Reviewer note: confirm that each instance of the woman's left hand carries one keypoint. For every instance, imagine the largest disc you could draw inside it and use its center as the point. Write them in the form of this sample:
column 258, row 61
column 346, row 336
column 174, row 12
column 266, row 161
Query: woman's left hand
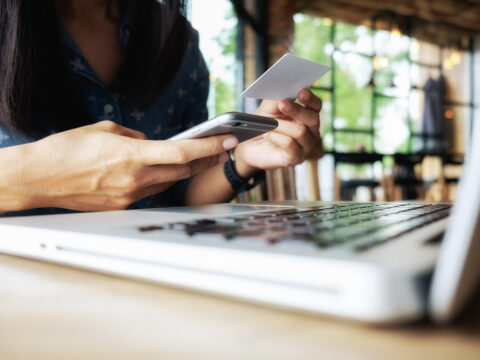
column 296, row 138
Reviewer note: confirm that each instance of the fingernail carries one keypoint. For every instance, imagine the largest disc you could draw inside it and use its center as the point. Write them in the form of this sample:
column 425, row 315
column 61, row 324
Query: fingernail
column 287, row 106
column 223, row 158
column 230, row 143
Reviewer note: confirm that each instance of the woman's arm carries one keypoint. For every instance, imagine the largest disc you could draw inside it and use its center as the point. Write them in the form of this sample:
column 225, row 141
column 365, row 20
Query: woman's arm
column 12, row 198
column 209, row 187
column 99, row 167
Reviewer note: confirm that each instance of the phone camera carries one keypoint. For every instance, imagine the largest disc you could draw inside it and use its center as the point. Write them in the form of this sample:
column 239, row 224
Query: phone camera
column 236, row 124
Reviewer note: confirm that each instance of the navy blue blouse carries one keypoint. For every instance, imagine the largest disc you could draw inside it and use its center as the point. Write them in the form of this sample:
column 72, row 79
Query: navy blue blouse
column 182, row 105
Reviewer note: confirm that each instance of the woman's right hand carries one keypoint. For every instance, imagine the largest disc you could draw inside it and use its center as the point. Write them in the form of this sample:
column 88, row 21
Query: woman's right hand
column 106, row 167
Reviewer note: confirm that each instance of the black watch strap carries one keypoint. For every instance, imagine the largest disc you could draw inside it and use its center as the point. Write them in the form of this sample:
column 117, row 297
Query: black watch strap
column 238, row 183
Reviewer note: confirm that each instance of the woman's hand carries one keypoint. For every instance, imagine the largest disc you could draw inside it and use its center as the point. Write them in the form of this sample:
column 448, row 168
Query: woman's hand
column 296, row 138
column 104, row 167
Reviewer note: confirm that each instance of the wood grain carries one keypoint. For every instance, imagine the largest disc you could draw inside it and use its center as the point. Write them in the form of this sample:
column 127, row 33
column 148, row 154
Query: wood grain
column 53, row 312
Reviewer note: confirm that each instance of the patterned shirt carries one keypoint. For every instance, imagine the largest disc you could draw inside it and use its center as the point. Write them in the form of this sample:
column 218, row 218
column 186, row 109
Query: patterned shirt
column 181, row 106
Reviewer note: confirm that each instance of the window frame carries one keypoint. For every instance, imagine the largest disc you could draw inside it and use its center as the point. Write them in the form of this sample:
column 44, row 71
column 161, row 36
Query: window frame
column 413, row 135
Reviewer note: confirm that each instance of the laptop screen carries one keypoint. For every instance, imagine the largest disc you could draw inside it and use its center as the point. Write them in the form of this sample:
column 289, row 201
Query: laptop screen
column 457, row 273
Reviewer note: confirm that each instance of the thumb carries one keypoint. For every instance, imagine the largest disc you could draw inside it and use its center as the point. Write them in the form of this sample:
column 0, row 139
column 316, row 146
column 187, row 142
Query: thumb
column 183, row 151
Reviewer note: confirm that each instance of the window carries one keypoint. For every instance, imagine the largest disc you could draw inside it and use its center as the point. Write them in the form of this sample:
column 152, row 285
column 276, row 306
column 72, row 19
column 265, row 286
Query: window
column 218, row 31
column 373, row 97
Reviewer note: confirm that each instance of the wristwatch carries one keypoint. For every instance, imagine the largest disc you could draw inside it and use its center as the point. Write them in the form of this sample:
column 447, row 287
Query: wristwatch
column 237, row 182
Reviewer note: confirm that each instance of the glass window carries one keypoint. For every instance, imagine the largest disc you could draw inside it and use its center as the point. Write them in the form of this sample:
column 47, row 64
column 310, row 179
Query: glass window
column 420, row 74
column 217, row 31
column 391, row 80
column 353, row 38
column 350, row 171
column 313, row 42
column 378, row 79
column 391, row 125
column 415, row 108
column 394, row 47
column 424, row 52
column 352, row 142
column 353, row 94
column 326, row 113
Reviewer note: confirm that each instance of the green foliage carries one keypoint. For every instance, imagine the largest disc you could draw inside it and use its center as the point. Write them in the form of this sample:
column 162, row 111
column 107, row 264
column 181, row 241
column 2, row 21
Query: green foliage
column 348, row 33
column 224, row 97
column 352, row 99
column 352, row 106
column 311, row 36
column 384, row 77
column 227, row 41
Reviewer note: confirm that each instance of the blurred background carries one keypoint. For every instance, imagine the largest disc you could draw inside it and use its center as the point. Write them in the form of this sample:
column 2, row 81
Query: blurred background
column 398, row 104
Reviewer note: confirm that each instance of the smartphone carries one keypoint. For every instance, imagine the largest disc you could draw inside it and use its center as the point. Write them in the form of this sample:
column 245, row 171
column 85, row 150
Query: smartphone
column 242, row 126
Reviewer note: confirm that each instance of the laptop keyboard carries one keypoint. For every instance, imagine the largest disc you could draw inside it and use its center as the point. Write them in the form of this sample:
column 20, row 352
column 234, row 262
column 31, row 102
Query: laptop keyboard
column 358, row 226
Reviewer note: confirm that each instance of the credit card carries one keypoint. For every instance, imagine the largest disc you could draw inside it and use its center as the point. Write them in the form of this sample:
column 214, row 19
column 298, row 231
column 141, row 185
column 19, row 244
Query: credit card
column 286, row 78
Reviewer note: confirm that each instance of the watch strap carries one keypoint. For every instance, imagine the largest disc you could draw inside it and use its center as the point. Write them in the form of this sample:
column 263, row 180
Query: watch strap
column 239, row 183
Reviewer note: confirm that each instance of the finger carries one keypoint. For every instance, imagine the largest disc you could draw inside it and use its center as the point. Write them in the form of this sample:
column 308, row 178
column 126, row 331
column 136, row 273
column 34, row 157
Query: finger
column 183, row 151
column 112, row 127
column 310, row 100
column 317, row 150
column 302, row 114
column 270, row 108
column 299, row 132
column 292, row 152
column 167, row 173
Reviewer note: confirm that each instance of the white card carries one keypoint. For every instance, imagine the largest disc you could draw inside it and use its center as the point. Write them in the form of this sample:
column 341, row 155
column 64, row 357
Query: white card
column 286, row 78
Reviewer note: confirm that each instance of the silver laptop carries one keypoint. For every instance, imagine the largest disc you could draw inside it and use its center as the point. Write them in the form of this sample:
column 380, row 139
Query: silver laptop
column 373, row 262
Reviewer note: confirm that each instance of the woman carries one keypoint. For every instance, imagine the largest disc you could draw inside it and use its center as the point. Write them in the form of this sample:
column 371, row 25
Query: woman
column 84, row 83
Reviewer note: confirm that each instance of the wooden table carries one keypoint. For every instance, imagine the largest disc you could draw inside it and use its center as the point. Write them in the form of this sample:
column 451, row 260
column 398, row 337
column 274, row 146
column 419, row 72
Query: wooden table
column 53, row 312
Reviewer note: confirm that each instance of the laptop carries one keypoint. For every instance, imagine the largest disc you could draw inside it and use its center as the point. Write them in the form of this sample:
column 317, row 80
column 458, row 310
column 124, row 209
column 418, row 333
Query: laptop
column 374, row 262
